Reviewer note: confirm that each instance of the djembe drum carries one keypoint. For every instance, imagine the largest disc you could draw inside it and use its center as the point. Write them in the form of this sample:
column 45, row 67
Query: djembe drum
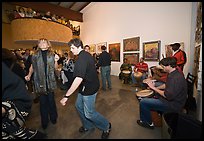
column 144, row 93
column 138, row 76
column 126, row 74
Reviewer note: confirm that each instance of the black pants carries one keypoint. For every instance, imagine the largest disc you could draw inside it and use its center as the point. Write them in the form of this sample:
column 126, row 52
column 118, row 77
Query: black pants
column 48, row 109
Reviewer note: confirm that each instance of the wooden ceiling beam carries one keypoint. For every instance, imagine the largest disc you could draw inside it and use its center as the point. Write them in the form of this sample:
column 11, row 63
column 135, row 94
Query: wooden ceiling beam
column 58, row 10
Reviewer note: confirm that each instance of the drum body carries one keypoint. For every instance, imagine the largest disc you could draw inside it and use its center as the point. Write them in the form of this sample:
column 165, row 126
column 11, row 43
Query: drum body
column 137, row 75
column 126, row 74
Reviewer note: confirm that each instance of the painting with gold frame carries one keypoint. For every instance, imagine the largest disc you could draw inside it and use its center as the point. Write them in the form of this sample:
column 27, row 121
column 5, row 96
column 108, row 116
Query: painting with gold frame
column 114, row 50
column 92, row 48
column 133, row 58
column 151, row 50
column 131, row 44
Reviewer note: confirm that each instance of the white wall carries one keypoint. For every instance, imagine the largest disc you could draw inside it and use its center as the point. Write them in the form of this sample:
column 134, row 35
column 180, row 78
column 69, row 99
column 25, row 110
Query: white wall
column 112, row 22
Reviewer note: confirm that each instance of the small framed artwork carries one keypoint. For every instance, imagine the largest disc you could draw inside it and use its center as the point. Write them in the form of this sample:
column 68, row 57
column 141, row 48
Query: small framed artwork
column 169, row 51
column 131, row 44
column 98, row 47
column 133, row 58
column 151, row 50
column 92, row 48
column 114, row 50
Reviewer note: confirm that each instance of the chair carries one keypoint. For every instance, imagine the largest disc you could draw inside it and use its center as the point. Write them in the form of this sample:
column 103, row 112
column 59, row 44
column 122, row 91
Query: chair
column 191, row 101
column 181, row 126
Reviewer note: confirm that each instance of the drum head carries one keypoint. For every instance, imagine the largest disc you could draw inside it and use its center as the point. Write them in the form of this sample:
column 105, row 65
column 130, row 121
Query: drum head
column 126, row 71
column 144, row 93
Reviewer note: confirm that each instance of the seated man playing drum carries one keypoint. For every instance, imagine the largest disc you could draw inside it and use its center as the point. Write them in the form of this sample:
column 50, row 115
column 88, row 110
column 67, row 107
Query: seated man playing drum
column 172, row 94
column 140, row 73
column 126, row 70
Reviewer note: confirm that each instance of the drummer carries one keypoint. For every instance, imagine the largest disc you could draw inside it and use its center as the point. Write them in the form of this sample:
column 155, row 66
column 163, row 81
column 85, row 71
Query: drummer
column 126, row 66
column 140, row 67
column 171, row 99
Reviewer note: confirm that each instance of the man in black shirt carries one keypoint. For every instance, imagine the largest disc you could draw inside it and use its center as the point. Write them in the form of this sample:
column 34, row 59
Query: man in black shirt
column 85, row 77
column 171, row 95
column 104, row 63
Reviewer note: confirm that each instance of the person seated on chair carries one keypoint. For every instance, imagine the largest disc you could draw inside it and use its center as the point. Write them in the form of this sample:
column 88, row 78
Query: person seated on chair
column 125, row 70
column 171, row 99
column 140, row 67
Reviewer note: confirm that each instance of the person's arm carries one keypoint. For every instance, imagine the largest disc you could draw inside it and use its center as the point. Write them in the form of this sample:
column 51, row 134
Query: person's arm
column 77, row 81
column 151, row 85
column 27, row 77
column 3, row 111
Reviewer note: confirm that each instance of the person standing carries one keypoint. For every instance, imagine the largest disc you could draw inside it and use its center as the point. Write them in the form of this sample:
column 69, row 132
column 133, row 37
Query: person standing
column 104, row 62
column 171, row 96
column 85, row 77
column 43, row 68
column 179, row 55
column 87, row 48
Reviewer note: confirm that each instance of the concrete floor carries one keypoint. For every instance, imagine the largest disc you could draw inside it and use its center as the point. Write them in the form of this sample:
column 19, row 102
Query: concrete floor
column 118, row 105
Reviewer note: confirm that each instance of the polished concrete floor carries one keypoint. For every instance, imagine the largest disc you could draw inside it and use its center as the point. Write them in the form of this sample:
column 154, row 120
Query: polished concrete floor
column 118, row 105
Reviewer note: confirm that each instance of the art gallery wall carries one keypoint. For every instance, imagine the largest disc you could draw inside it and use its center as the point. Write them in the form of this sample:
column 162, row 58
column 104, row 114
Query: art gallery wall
column 112, row 22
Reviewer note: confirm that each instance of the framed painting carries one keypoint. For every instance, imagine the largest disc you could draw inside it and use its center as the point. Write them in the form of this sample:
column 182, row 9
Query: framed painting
column 151, row 50
column 92, row 48
column 114, row 50
column 98, row 47
column 169, row 51
column 133, row 58
column 131, row 44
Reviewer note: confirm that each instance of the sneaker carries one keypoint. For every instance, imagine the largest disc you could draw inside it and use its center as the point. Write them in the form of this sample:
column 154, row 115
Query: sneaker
column 83, row 130
column 105, row 134
column 145, row 124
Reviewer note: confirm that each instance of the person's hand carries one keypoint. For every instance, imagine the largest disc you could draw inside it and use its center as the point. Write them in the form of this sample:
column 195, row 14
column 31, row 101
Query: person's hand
column 150, row 83
column 27, row 78
column 63, row 101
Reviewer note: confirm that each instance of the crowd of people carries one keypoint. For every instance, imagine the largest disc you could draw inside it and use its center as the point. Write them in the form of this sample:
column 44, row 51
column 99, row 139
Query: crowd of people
column 22, row 12
column 78, row 70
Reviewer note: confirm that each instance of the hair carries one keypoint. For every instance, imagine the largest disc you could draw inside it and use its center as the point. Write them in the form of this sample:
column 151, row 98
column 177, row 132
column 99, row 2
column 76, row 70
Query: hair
column 175, row 46
column 168, row 61
column 8, row 55
column 103, row 47
column 76, row 42
column 86, row 46
column 49, row 45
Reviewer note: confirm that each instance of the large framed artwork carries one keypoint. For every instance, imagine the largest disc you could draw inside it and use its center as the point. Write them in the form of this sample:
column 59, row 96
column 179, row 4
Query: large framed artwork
column 98, row 47
column 151, row 50
column 133, row 58
column 131, row 44
column 169, row 51
column 114, row 50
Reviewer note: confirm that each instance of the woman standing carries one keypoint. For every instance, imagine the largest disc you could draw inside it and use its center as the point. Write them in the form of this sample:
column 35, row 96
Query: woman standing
column 43, row 65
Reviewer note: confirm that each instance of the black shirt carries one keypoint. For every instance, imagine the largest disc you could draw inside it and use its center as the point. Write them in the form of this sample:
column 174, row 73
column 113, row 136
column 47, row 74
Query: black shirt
column 104, row 59
column 85, row 69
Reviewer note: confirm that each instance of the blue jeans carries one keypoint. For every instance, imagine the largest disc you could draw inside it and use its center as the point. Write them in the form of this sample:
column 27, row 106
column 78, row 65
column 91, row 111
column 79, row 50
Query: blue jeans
column 48, row 109
column 105, row 76
column 85, row 106
column 148, row 104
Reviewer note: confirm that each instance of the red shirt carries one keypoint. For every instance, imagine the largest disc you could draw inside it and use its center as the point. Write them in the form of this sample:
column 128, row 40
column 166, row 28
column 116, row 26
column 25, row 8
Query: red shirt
column 180, row 59
column 142, row 67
